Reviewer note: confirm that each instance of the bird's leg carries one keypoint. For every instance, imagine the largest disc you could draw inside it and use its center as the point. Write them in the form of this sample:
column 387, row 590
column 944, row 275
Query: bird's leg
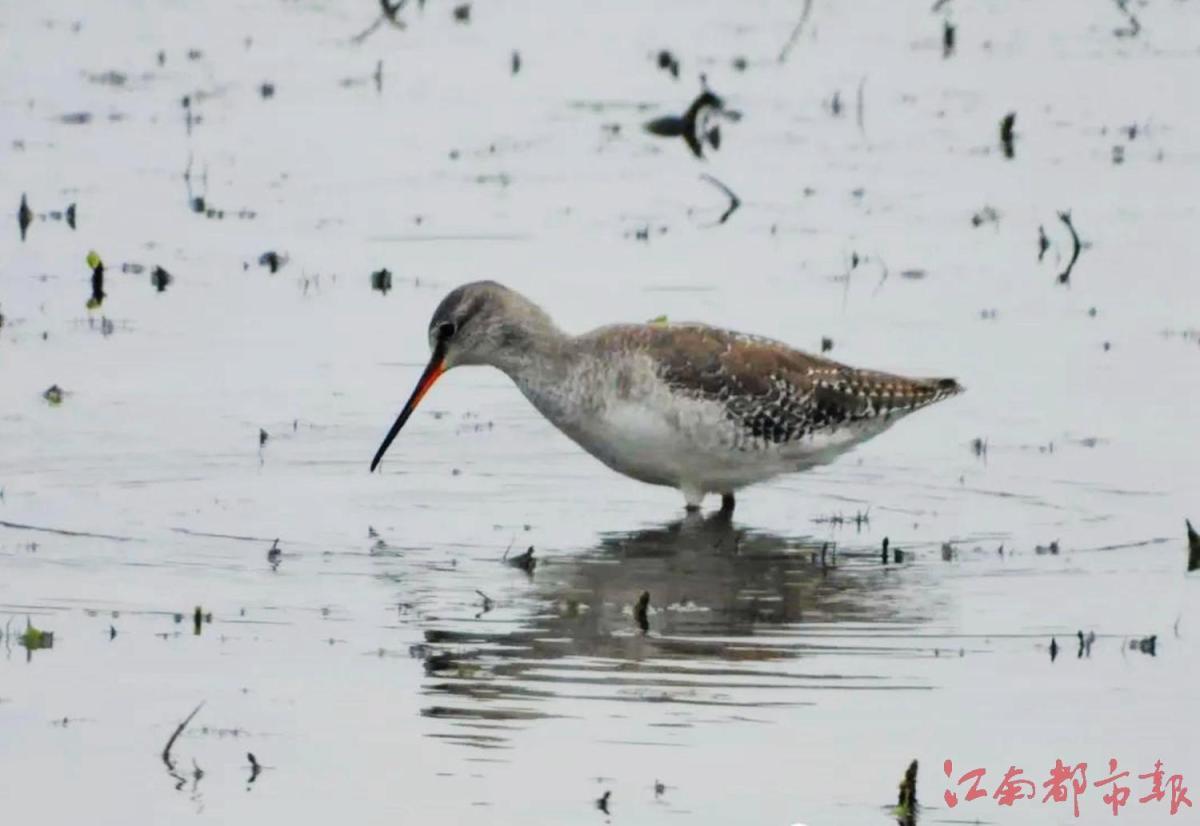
column 727, row 503
column 693, row 497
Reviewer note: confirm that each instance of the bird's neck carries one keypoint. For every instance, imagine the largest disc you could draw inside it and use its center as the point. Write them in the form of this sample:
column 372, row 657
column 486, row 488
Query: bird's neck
column 541, row 360
column 532, row 347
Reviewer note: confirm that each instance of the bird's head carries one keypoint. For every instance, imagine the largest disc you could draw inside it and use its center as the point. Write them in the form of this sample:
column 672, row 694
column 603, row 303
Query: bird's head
column 478, row 323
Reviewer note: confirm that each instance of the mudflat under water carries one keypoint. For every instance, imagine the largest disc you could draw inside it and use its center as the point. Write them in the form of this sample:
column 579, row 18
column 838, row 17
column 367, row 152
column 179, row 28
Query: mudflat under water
column 388, row 664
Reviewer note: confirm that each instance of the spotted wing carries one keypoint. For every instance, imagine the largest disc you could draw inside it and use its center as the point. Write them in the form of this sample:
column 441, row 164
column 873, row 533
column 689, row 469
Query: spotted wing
column 777, row 394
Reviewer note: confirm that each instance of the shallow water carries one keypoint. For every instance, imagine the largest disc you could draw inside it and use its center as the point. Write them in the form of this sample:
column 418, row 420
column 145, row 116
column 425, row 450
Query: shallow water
column 364, row 672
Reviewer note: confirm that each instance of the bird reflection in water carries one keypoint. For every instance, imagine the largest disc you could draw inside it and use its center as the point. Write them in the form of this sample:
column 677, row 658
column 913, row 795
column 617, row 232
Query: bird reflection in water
column 736, row 617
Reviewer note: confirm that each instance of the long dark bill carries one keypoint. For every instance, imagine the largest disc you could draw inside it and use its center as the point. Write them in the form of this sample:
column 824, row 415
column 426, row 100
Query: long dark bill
column 436, row 367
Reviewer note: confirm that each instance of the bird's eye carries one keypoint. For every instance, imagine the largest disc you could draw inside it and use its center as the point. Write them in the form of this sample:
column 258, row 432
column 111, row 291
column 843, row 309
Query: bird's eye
column 446, row 330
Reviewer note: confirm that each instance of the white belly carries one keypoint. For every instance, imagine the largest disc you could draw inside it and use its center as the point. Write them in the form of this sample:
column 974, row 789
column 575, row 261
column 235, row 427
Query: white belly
column 662, row 438
column 693, row 447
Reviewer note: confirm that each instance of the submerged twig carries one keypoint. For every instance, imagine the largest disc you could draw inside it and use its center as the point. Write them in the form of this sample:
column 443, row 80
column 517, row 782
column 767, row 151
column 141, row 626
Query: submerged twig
column 166, row 754
column 1134, row 25
column 1076, row 248
column 734, row 201
column 64, row 532
column 487, row 603
column 791, row 41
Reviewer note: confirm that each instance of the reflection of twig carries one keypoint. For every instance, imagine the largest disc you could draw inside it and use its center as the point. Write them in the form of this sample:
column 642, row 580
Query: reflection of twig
column 734, row 201
column 858, row 105
column 883, row 276
column 639, row 612
column 791, row 41
column 1065, row 217
column 166, row 754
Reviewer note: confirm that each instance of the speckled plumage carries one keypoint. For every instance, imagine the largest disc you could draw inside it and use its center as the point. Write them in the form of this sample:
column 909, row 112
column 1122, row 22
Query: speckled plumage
column 690, row 406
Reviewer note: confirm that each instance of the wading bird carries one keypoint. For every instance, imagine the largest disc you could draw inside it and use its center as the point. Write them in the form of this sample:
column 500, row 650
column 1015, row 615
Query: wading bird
column 687, row 406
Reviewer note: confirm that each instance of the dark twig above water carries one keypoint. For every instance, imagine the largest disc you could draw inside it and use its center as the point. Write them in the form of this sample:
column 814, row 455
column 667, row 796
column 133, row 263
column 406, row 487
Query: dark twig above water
column 388, row 14
column 93, row 261
column 272, row 261
column 734, row 201
column 166, row 753
column 160, row 278
column 640, row 610
column 906, row 803
column 1146, row 645
column 1193, row 547
column 524, row 561
column 668, row 63
column 24, row 216
column 381, row 280
column 698, row 125
column 1076, row 247
column 795, row 35
column 1006, row 134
